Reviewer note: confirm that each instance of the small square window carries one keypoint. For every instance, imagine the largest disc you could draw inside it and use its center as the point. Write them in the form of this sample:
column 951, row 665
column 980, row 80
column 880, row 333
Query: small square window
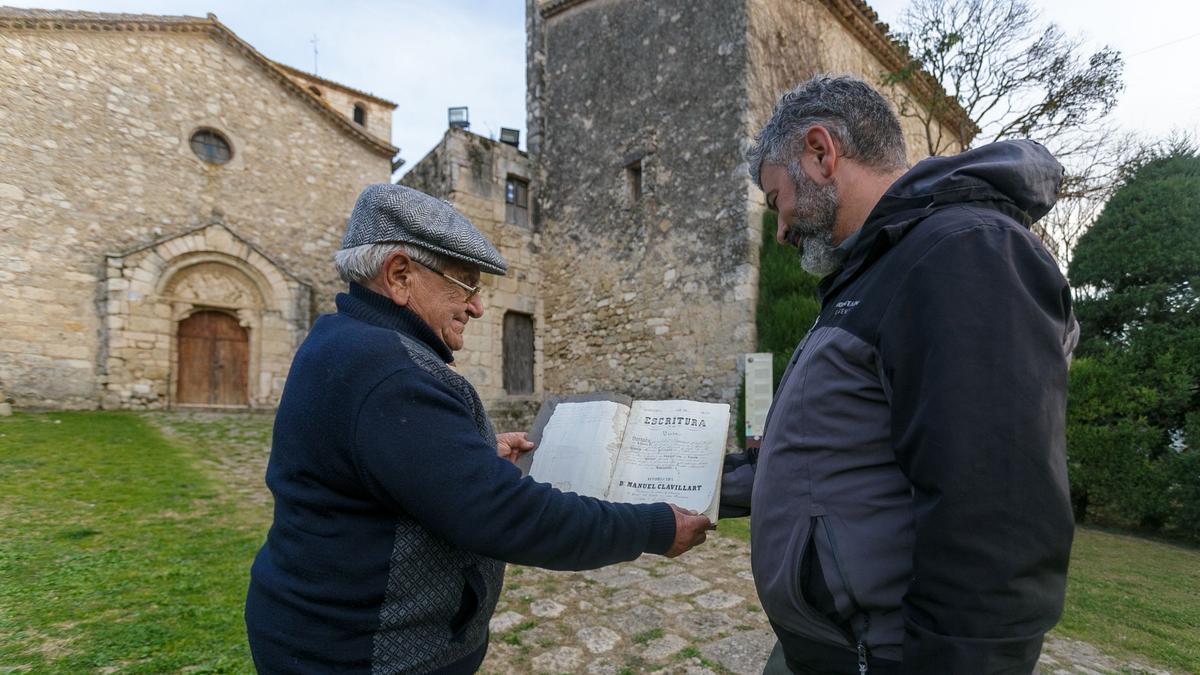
column 516, row 201
column 516, row 191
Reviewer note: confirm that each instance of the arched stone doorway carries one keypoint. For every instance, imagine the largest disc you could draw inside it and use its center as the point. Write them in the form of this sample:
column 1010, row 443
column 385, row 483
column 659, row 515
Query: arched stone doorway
column 214, row 360
column 236, row 303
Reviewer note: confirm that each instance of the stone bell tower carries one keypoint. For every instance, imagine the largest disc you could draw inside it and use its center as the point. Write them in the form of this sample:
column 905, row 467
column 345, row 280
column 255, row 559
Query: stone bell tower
column 639, row 116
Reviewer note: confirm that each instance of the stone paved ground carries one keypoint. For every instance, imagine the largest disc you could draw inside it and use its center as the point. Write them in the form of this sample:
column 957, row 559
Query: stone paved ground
column 694, row 614
column 697, row 614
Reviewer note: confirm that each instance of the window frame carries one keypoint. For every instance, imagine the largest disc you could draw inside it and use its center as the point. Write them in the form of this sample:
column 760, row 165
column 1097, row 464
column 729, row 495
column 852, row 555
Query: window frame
column 205, row 156
column 516, row 200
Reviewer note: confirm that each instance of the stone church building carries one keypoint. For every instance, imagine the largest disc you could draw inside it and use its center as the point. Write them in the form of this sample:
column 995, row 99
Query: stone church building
column 171, row 200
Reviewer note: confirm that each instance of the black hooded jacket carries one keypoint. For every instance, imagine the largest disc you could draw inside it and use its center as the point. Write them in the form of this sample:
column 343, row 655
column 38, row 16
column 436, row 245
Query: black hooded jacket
column 910, row 500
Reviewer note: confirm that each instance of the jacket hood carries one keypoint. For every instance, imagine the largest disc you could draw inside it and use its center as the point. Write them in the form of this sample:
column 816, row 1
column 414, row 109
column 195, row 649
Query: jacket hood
column 1016, row 175
column 1020, row 179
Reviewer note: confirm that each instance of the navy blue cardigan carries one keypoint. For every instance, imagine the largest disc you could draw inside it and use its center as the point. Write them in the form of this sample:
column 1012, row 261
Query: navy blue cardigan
column 363, row 437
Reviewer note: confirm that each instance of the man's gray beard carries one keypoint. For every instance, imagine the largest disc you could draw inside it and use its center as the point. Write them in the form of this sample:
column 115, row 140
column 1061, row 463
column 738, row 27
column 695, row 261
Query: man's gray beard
column 811, row 230
column 819, row 256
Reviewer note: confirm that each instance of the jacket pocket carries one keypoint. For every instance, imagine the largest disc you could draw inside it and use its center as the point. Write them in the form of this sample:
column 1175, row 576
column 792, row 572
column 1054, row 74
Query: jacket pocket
column 473, row 593
column 825, row 586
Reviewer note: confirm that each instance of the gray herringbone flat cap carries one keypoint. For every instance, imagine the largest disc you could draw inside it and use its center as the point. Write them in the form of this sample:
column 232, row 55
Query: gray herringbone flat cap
column 395, row 213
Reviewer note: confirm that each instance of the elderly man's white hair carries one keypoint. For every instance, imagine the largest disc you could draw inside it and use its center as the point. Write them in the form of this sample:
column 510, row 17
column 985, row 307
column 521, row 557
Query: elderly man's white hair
column 361, row 264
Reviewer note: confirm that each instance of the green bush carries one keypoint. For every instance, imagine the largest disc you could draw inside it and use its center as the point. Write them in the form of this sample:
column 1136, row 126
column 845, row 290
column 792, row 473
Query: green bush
column 1133, row 437
column 787, row 298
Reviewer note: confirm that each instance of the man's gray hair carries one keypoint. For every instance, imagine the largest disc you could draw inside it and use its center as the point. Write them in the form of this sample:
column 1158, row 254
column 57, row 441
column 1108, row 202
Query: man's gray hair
column 361, row 264
column 861, row 122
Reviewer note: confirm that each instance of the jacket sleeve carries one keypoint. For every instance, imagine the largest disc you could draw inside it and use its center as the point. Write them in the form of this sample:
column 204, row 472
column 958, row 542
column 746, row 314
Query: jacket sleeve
column 737, row 483
column 972, row 348
column 418, row 450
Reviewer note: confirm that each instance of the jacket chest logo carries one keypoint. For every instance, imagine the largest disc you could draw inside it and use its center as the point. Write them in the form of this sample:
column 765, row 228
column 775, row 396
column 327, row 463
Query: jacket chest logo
column 844, row 307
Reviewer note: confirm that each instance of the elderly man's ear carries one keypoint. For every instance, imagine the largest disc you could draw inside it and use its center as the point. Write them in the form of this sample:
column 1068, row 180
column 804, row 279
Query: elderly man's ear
column 395, row 280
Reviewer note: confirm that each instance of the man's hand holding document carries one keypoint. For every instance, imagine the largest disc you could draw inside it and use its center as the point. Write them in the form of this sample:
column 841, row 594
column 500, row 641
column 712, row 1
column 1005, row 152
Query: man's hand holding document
column 614, row 448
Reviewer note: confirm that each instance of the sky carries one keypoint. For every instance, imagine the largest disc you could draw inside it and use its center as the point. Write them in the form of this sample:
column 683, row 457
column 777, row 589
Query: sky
column 427, row 56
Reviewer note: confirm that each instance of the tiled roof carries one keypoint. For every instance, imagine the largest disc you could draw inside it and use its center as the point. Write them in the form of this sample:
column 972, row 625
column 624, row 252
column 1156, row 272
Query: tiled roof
column 42, row 19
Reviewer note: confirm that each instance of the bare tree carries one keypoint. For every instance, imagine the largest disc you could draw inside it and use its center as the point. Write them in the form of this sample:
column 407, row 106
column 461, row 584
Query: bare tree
column 1094, row 170
column 1016, row 77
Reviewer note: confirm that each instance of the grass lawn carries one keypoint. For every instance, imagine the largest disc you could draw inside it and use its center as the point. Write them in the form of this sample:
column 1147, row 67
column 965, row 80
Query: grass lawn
column 1126, row 595
column 122, row 549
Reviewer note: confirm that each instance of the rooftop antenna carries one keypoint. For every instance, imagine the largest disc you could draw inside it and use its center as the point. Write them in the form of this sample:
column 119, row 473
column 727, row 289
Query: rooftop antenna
column 314, row 44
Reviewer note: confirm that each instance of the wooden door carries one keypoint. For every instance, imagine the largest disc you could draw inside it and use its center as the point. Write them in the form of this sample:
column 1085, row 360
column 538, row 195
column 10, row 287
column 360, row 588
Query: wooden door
column 214, row 356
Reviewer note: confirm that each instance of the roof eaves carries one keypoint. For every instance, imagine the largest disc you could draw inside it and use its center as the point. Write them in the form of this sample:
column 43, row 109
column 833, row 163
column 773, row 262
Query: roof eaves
column 337, row 85
column 553, row 7
column 863, row 22
column 377, row 144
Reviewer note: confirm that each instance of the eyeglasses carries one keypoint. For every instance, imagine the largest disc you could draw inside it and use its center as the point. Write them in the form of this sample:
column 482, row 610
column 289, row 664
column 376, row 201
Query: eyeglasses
column 472, row 291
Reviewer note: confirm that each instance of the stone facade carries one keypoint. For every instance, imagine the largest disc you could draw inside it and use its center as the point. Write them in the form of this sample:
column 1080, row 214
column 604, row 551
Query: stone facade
column 150, row 290
column 649, row 295
column 639, row 118
column 471, row 172
column 376, row 111
column 635, row 261
column 788, row 42
column 112, row 230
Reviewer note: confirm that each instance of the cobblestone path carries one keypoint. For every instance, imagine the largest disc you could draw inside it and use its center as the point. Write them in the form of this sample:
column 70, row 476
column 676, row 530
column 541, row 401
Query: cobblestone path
column 696, row 614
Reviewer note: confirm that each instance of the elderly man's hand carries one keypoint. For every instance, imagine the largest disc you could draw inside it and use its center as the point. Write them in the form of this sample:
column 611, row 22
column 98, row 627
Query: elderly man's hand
column 691, row 529
column 511, row 445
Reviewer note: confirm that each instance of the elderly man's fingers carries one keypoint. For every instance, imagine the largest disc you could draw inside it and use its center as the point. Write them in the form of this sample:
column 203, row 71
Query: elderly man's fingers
column 690, row 530
column 517, row 440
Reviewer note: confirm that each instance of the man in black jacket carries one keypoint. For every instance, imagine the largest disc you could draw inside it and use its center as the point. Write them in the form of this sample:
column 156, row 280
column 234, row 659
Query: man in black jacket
column 396, row 505
column 909, row 502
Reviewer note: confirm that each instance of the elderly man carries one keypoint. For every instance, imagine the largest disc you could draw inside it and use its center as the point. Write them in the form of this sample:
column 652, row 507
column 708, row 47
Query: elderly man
column 909, row 500
column 396, row 505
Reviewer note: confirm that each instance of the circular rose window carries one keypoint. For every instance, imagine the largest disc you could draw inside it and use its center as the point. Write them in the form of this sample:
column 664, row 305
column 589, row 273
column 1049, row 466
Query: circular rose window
column 211, row 146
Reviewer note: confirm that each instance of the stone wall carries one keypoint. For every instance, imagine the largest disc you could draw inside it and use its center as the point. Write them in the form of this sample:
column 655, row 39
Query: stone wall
column 343, row 99
column 655, row 297
column 789, row 42
column 151, row 289
column 94, row 130
column 470, row 172
column 651, row 297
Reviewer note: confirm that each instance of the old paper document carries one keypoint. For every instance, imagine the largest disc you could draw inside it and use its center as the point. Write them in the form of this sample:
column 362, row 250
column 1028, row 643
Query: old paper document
column 673, row 451
column 579, row 447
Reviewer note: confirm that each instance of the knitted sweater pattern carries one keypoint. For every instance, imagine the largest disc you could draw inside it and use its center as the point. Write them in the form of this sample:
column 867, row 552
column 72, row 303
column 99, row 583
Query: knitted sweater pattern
column 430, row 583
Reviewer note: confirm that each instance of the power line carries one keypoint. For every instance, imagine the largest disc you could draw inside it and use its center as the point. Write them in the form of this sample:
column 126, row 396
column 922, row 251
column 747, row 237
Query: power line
column 1165, row 44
